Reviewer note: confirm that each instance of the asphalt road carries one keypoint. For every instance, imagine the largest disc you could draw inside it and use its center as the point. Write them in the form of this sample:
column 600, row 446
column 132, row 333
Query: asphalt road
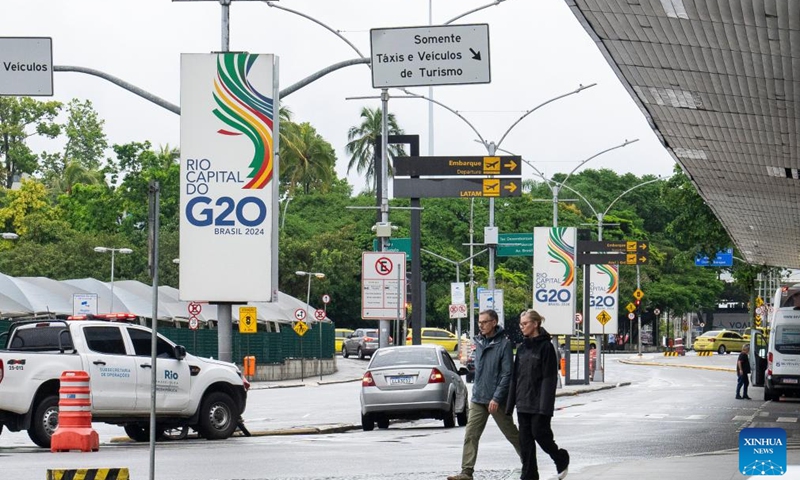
column 666, row 411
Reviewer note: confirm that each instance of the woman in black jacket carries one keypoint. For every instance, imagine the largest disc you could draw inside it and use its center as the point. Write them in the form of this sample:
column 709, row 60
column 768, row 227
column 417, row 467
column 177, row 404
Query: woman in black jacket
column 533, row 393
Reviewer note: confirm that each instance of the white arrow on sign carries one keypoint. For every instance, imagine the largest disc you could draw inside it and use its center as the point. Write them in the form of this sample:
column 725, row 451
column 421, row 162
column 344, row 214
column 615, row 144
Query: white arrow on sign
column 300, row 314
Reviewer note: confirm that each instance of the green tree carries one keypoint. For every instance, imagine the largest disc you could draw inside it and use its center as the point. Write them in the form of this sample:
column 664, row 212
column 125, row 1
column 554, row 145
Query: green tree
column 307, row 160
column 361, row 143
column 20, row 119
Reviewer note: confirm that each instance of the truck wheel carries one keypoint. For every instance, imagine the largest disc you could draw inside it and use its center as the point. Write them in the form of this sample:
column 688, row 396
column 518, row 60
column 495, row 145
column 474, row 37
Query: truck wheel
column 173, row 433
column 218, row 417
column 137, row 433
column 44, row 421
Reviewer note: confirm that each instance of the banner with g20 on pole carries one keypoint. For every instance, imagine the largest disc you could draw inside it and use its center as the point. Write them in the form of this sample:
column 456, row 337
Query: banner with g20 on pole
column 229, row 177
column 555, row 277
column 604, row 288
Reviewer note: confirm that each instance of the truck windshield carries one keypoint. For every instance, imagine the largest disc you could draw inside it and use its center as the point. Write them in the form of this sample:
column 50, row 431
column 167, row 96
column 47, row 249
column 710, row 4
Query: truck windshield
column 787, row 339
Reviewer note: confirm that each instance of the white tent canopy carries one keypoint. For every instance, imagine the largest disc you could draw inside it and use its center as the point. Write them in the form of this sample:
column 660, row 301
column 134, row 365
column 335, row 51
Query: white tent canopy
column 34, row 296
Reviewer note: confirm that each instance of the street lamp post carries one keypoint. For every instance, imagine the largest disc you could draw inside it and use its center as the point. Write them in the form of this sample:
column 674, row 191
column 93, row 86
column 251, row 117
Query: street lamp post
column 113, row 253
column 319, row 275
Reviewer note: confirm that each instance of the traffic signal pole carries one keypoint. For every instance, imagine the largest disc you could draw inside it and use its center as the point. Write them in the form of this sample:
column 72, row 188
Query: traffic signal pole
column 639, row 310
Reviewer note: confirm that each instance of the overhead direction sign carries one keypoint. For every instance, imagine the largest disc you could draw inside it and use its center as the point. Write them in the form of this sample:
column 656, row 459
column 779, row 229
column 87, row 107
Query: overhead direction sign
column 457, row 166
column 612, row 259
column 26, row 66
column 515, row 245
column 609, row 246
column 457, row 187
column 431, row 55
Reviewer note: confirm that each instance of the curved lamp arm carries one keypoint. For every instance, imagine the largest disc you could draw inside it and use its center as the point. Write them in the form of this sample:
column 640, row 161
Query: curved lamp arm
column 582, row 197
column 621, row 145
column 496, row 2
column 577, row 90
column 273, row 5
column 416, row 95
column 629, row 190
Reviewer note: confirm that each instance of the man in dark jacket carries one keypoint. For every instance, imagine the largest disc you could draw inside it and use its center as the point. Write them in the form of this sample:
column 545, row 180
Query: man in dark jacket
column 493, row 362
column 533, row 393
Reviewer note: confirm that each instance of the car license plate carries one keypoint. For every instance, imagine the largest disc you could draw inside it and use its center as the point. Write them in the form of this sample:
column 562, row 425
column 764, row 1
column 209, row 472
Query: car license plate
column 401, row 380
column 789, row 380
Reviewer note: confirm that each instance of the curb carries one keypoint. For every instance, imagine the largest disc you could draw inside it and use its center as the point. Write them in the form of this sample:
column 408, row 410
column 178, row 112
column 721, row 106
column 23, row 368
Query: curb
column 661, row 364
column 579, row 391
column 267, row 386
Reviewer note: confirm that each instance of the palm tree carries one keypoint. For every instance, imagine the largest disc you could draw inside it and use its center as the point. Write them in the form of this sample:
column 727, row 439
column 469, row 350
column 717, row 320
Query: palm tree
column 307, row 159
column 361, row 142
column 75, row 172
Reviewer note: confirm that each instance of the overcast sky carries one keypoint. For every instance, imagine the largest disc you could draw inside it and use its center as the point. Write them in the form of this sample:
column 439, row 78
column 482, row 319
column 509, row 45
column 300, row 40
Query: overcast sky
column 538, row 51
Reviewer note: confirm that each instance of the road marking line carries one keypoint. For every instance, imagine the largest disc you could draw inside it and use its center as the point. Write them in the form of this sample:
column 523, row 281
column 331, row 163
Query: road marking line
column 787, row 419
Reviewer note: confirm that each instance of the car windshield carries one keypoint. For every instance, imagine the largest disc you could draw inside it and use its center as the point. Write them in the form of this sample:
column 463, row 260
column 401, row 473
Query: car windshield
column 404, row 356
column 787, row 339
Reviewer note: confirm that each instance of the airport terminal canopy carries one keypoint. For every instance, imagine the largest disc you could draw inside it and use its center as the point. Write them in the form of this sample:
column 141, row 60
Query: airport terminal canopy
column 40, row 296
column 716, row 80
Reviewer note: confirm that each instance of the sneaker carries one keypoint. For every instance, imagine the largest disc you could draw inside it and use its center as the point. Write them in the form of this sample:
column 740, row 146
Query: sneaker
column 460, row 476
column 738, row 397
column 563, row 465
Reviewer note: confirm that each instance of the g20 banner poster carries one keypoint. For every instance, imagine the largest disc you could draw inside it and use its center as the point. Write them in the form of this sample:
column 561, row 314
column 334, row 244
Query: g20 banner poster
column 555, row 277
column 604, row 288
column 228, row 198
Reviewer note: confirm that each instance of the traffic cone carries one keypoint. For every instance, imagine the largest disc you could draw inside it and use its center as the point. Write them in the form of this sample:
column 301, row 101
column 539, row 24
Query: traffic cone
column 74, row 431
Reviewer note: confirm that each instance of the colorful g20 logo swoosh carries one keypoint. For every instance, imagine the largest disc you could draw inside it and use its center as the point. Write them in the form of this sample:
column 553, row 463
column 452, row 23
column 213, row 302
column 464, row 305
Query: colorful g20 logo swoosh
column 246, row 111
column 561, row 252
column 613, row 276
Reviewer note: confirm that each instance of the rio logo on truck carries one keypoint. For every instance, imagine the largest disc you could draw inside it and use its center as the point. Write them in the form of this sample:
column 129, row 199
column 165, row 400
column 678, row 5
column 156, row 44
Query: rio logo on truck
column 244, row 111
column 551, row 289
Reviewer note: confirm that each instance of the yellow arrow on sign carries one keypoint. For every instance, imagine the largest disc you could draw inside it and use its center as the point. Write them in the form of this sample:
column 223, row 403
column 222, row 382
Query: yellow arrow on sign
column 511, row 165
column 643, row 259
column 511, row 187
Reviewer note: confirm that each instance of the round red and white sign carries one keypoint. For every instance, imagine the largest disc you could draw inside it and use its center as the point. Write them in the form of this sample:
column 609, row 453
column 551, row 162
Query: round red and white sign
column 300, row 314
column 384, row 266
column 193, row 323
column 194, row 308
column 631, row 316
column 326, row 299
column 657, row 312
column 319, row 314
column 578, row 317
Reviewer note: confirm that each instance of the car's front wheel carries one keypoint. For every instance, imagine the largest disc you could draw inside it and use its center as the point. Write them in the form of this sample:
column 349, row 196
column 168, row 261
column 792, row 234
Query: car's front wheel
column 218, row 416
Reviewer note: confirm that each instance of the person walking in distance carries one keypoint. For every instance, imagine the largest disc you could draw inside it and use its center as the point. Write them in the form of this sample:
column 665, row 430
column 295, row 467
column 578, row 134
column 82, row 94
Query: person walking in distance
column 493, row 363
column 742, row 372
column 533, row 393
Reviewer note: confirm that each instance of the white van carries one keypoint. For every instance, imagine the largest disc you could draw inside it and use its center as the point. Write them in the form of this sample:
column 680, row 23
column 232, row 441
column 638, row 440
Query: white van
column 783, row 351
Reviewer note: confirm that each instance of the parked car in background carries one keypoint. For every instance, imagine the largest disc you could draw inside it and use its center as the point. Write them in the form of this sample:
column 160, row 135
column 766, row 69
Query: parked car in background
column 413, row 382
column 362, row 342
column 437, row 336
column 721, row 341
column 339, row 336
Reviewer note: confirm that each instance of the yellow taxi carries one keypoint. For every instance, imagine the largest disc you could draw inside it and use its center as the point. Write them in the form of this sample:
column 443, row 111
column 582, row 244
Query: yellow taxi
column 720, row 341
column 339, row 335
column 439, row 336
column 577, row 343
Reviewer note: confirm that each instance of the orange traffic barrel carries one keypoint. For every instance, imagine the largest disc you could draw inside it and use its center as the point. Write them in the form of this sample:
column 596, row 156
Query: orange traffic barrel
column 74, row 430
column 249, row 366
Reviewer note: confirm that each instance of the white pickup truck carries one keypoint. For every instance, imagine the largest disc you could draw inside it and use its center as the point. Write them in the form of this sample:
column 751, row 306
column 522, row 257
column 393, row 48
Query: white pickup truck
column 206, row 395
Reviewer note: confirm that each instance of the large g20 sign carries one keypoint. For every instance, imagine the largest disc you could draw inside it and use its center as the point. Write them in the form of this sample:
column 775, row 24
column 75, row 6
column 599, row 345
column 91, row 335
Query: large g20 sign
column 553, row 295
column 602, row 301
